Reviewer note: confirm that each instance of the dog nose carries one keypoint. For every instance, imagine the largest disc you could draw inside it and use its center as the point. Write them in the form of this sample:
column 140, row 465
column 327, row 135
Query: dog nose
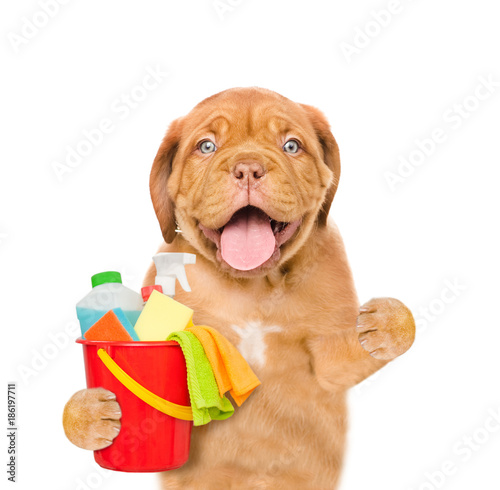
column 250, row 171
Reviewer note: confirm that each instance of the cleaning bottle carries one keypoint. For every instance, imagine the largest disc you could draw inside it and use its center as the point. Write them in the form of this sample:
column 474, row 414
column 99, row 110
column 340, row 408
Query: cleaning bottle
column 107, row 293
column 170, row 266
column 162, row 315
column 147, row 290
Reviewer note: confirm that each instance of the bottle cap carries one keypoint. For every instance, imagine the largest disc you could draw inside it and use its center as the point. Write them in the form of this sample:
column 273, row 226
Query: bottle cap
column 147, row 290
column 105, row 277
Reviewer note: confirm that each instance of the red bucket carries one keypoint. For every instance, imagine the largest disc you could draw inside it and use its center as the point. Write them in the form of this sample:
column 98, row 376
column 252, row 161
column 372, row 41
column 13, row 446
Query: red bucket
column 149, row 438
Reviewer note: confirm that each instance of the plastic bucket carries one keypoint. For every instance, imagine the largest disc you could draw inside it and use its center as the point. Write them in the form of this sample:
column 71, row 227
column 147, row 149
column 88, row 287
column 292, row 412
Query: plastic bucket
column 149, row 380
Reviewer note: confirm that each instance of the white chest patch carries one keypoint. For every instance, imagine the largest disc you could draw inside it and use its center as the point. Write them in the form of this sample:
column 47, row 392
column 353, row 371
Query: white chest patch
column 252, row 345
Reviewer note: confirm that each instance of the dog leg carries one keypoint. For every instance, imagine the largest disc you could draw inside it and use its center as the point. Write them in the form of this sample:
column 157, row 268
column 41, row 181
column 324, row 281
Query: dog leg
column 384, row 330
column 91, row 418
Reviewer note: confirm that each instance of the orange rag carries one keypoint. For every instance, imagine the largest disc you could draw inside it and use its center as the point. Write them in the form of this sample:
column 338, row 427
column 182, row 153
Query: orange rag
column 231, row 371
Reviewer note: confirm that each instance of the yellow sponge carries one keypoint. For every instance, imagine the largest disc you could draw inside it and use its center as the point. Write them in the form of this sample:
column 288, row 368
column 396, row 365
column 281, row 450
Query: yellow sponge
column 161, row 316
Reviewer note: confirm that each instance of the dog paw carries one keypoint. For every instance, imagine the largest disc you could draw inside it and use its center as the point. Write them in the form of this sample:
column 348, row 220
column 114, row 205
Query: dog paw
column 386, row 328
column 91, row 418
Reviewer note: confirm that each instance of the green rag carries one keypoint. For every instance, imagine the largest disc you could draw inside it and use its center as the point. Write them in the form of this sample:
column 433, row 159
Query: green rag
column 206, row 402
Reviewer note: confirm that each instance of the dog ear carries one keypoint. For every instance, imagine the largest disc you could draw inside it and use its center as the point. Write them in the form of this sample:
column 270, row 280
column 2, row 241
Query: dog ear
column 330, row 156
column 160, row 172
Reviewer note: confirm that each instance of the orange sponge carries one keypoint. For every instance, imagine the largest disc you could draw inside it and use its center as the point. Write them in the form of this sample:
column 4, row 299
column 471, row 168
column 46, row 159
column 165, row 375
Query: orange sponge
column 108, row 327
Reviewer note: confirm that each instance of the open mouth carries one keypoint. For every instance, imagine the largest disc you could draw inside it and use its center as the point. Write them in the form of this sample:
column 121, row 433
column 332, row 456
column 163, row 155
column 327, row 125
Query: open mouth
column 251, row 238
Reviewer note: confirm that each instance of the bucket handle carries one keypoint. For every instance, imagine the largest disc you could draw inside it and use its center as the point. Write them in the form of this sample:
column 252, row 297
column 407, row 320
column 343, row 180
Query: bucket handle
column 178, row 411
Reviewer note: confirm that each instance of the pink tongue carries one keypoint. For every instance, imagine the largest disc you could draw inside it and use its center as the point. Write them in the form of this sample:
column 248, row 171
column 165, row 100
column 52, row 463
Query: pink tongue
column 247, row 241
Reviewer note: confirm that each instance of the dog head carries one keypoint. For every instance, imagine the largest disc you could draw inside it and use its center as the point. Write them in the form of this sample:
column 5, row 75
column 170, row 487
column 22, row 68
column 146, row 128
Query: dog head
column 247, row 175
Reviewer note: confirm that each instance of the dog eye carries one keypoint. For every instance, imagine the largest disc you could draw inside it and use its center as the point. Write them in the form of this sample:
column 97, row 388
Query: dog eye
column 207, row 146
column 291, row 146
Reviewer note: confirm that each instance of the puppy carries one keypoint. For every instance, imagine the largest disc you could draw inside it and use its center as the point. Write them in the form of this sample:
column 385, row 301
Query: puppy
column 245, row 181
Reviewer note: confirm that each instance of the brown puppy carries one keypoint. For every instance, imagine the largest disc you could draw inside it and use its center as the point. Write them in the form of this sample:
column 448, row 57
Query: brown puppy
column 249, row 176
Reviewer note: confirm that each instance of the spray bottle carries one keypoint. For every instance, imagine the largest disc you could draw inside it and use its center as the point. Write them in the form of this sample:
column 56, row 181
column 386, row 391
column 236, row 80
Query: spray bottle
column 163, row 315
column 170, row 266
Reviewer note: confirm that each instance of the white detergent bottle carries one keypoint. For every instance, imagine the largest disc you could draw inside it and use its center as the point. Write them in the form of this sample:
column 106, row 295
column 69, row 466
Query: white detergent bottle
column 107, row 293
column 170, row 266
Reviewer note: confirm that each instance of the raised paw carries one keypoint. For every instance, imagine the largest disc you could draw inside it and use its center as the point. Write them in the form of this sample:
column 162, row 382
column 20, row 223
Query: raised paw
column 91, row 418
column 386, row 328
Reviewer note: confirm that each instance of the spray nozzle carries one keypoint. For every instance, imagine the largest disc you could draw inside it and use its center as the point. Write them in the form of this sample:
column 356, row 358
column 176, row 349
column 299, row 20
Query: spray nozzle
column 170, row 266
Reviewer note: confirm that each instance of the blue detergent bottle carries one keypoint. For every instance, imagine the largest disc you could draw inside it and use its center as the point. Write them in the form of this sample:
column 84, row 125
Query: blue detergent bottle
column 107, row 293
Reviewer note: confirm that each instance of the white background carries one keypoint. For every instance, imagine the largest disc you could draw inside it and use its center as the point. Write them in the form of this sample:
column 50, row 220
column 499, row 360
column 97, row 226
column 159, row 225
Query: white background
column 439, row 226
